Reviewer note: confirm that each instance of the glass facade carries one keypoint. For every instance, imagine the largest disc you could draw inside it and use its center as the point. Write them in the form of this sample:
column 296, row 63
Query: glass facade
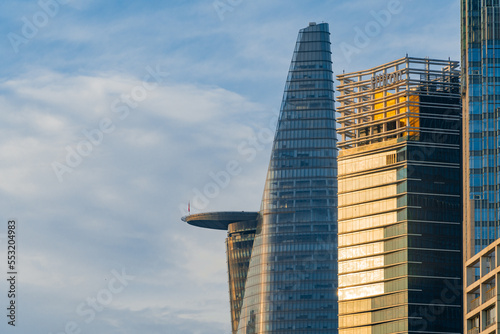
column 292, row 278
column 241, row 227
column 399, row 212
column 239, row 245
column 481, row 126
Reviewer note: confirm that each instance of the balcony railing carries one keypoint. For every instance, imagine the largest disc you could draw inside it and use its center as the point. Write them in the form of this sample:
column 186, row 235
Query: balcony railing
column 490, row 293
column 490, row 322
column 474, row 303
column 474, row 330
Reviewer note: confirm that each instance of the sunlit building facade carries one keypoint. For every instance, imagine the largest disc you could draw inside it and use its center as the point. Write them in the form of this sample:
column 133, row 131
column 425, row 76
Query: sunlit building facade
column 482, row 275
column 283, row 260
column 481, row 123
column 399, row 212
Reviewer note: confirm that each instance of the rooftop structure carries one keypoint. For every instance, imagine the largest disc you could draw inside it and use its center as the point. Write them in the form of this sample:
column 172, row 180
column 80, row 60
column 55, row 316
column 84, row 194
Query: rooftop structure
column 399, row 217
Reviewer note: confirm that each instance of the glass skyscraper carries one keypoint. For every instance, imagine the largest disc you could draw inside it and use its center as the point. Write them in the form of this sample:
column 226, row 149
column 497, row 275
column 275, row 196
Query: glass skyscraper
column 481, row 122
column 293, row 269
column 241, row 227
column 290, row 285
column 400, row 260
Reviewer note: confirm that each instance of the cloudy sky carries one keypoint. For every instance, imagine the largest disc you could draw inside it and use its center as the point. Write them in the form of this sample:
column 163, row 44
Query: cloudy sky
column 114, row 114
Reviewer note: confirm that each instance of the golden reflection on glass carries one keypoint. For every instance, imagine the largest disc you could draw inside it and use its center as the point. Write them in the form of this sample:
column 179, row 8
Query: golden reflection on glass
column 367, row 195
column 364, row 223
column 361, row 237
column 361, row 264
column 396, row 105
column 359, row 330
column 367, row 181
column 369, row 304
column 364, row 163
column 361, row 319
column 361, row 278
column 359, row 251
column 361, row 291
column 368, row 208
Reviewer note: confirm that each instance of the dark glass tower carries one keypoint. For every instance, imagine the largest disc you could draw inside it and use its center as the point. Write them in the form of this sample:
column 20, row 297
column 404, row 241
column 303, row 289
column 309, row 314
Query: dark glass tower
column 292, row 279
column 481, row 122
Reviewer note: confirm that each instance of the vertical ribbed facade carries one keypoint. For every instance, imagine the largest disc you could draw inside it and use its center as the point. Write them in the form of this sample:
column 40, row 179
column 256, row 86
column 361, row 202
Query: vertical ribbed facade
column 481, row 126
column 239, row 244
column 292, row 278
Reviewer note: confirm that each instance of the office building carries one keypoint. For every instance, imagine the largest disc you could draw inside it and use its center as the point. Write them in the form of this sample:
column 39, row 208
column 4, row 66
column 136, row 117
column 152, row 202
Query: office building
column 481, row 147
column 482, row 273
column 481, row 123
column 399, row 240
column 241, row 227
column 290, row 285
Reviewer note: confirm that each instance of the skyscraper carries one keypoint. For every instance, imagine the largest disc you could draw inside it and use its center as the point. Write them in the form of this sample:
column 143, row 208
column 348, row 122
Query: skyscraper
column 293, row 269
column 241, row 227
column 481, row 127
column 290, row 285
column 400, row 264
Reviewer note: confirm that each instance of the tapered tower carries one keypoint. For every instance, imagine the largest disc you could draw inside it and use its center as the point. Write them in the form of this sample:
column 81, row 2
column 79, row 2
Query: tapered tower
column 292, row 278
column 283, row 260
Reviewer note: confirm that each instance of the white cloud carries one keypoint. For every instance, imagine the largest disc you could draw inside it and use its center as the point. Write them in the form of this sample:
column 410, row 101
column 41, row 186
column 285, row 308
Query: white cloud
column 115, row 196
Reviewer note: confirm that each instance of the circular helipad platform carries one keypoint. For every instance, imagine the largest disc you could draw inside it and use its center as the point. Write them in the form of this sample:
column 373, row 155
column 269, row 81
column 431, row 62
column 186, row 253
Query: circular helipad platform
column 219, row 220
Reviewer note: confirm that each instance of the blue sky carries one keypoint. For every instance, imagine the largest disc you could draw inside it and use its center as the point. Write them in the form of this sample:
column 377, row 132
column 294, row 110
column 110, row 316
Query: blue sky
column 116, row 114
